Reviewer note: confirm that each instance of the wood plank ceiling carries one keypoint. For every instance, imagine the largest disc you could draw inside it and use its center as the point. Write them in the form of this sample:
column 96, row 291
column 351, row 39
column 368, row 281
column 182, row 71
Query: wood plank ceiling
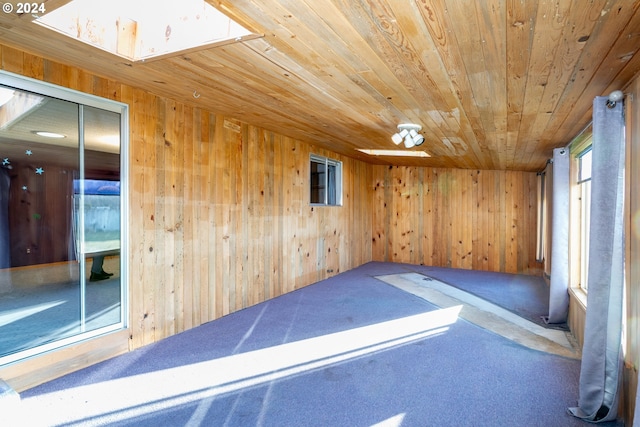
column 495, row 84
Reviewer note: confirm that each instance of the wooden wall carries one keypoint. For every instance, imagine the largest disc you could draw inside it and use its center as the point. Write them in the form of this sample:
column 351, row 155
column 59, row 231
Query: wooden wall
column 219, row 209
column 470, row 219
column 220, row 216
column 41, row 213
column 632, row 246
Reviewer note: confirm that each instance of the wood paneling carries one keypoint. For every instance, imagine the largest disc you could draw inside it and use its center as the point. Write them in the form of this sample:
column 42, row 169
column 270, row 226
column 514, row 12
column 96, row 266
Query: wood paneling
column 459, row 218
column 38, row 211
column 220, row 217
column 222, row 220
column 37, row 370
column 632, row 246
column 219, row 209
column 495, row 84
column 577, row 315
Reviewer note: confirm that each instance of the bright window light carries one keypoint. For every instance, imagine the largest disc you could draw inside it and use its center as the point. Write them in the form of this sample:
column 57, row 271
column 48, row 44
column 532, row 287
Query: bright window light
column 144, row 29
column 395, row 153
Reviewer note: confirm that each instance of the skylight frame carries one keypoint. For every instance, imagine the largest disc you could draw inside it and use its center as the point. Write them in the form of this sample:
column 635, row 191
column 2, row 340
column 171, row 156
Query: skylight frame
column 145, row 30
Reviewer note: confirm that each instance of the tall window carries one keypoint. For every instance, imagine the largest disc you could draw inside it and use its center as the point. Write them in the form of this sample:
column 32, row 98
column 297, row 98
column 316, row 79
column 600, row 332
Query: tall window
column 325, row 181
column 62, row 204
column 584, row 183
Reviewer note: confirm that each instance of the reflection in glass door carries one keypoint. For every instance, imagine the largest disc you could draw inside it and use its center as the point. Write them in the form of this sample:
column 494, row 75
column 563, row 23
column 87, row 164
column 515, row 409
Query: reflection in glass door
column 60, row 218
column 97, row 218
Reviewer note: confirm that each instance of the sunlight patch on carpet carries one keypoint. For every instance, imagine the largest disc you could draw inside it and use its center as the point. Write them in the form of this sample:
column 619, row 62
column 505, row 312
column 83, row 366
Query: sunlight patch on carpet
column 486, row 314
column 125, row 398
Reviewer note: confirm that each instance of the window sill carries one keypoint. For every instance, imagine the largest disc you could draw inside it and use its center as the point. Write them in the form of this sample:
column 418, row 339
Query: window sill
column 580, row 295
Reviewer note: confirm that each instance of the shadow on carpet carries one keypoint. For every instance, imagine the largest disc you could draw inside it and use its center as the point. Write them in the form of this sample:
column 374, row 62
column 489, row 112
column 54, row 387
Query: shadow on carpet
column 346, row 351
column 526, row 296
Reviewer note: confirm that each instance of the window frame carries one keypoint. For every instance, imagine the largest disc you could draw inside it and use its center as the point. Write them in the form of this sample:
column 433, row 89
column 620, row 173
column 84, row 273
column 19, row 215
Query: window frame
column 28, row 84
column 327, row 184
column 584, row 184
column 579, row 216
column 580, row 156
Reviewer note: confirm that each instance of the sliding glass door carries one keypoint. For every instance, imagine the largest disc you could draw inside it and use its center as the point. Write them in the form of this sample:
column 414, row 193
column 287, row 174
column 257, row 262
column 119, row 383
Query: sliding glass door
column 61, row 217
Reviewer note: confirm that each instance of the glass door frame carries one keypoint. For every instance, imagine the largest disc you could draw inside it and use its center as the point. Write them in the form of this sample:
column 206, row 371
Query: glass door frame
column 83, row 99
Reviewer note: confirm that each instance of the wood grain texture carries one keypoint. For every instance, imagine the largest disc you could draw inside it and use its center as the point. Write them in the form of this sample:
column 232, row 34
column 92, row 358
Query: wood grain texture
column 481, row 220
column 632, row 286
column 37, row 370
column 496, row 84
column 220, row 216
column 45, row 220
column 577, row 317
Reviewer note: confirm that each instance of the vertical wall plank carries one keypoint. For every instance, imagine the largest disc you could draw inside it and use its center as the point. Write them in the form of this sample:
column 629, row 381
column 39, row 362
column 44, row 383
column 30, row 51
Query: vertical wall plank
column 183, row 308
column 151, row 121
column 439, row 245
column 136, row 205
column 379, row 241
column 33, row 67
column 511, row 248
column 13, row 60
column 203, row 226
column 218, row 221
column 250, row 253
column 168, row 151
column 238, row 157
column 427, row 217
column 632, row 212
column 188, row 187
column 468, row 217
column 288, row 206
column 473, row 219
column 159, row 171
column 269, row 226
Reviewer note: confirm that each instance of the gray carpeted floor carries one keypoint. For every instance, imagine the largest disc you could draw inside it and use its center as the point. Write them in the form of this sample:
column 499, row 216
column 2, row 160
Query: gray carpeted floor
column 351, row 350
column 487, row 314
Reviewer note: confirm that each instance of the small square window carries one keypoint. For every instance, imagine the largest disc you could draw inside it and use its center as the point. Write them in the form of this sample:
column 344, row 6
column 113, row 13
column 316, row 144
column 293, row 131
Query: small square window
column 325, row 181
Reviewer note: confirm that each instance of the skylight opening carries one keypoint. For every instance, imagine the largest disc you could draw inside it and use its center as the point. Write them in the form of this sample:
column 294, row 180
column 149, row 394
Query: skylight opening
column 395, row 153
column 144, row 29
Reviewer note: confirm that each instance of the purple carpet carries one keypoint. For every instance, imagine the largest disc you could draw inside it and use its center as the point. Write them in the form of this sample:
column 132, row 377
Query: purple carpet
column 347, row 351
column 527, row 296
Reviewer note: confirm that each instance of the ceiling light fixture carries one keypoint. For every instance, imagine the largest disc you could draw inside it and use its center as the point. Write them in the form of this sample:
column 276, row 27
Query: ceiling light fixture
column 408, row 132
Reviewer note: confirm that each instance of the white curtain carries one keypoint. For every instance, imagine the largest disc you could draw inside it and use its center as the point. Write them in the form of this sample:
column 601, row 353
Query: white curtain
column 559, row 281
column 602, row 352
